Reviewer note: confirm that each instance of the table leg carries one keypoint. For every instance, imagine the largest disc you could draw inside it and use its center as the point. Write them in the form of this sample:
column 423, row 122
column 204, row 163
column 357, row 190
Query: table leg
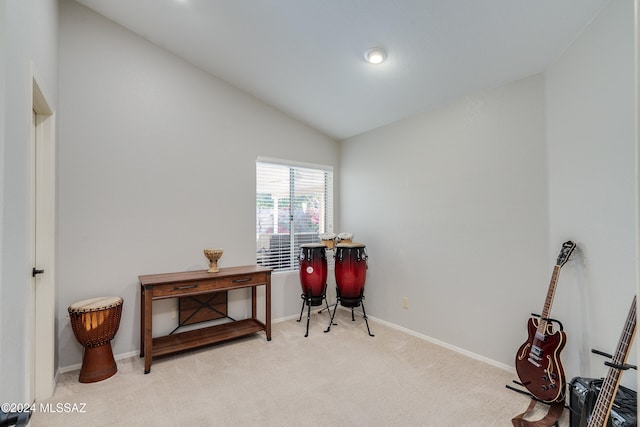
column 148, row 341
column 268, row 307
column 142, row 321
column 254, row 299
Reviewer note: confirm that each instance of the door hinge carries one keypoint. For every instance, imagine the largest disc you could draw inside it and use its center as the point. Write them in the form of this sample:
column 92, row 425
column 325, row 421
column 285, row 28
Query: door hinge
column 35, row 272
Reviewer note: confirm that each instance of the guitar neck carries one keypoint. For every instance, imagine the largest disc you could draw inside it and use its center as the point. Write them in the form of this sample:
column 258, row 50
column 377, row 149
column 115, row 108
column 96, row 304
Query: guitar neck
column 542, row 325
column 611, row 383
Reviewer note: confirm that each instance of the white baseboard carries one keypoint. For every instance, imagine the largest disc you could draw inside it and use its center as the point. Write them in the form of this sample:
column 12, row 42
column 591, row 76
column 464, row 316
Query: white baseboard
column 77, row 366
column 423, row 337
column 284, row 319
column 445, row 345
column 448, row 346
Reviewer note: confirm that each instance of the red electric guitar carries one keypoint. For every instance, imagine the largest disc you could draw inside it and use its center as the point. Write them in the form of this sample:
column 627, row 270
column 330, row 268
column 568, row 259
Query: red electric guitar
column 538, row 360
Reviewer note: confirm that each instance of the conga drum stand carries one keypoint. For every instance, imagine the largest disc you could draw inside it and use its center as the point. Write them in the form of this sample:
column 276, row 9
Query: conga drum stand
column 312, row 301
column 351, row 303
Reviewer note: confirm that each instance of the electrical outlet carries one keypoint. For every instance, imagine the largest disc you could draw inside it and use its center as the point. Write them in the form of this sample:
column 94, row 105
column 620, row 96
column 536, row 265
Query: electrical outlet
column 405, row 303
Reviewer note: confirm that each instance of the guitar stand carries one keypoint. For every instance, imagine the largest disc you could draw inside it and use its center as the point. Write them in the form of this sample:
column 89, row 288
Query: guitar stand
column 624, row 367
column 549, row 319
column 550, row 419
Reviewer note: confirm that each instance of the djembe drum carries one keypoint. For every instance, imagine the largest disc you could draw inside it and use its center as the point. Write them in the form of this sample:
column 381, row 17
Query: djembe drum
column 351, row 274
column 328, row 239
column 313, row 277
column 95, row 323
column 344, row 238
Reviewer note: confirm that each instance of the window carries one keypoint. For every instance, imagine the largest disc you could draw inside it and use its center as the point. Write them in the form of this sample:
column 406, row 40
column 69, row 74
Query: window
column 294, row 204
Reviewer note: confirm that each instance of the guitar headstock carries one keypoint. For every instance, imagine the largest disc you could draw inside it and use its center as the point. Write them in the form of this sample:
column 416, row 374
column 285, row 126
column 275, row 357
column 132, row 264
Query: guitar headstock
column 565, row 252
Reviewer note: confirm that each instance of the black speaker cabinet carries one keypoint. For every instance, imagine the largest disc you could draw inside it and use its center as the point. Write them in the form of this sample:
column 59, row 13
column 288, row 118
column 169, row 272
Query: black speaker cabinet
column 583, row 395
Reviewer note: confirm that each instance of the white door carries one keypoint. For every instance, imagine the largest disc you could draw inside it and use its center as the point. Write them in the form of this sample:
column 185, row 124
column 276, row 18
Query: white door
column 43, row 295
column 32, row 286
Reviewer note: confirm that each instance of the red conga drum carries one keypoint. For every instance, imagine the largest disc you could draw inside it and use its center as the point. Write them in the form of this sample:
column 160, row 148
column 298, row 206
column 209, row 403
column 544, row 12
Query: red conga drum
column 351, row 272
column 313, row 272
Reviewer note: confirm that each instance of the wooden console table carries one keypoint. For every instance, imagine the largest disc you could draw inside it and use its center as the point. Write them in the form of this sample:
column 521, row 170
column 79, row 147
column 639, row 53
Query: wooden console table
column 174, row 285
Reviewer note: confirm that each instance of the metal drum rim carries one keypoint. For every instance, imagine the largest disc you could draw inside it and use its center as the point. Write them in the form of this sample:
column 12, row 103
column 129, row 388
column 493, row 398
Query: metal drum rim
column 109, row 303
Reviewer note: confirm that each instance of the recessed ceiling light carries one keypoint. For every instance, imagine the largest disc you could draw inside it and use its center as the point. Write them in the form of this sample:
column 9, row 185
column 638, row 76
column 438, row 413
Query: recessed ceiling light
column 375, row 55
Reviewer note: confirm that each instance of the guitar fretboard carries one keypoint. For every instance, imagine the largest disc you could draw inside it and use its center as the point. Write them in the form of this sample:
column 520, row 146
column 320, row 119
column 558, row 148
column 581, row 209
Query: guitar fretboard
column 542, row 325
column 612, row 381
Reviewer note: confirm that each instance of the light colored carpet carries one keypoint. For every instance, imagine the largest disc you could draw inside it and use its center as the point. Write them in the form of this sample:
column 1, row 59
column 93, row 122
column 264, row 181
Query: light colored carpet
column 340, row 378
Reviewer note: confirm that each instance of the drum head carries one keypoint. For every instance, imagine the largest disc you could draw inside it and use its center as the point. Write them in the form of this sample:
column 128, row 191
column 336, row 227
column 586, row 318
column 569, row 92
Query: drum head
column 351, row 245
column 94, row 304
column 312, row 245
column 327, row 236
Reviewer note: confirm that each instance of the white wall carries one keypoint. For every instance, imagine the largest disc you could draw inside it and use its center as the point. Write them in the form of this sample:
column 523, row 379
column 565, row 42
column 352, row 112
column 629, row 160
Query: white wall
column 156, row 163
column 472, row 203
column 637, row 138
column 30, row 39
column 457, row 221
column 3, row 48
column 592, row 185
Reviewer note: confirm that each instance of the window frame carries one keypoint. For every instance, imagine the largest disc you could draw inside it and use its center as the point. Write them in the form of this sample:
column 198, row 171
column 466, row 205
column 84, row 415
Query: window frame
column 281, row 260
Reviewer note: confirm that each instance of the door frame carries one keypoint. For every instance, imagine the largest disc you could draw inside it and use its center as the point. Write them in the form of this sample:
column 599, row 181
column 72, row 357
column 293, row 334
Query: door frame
column 43, row 306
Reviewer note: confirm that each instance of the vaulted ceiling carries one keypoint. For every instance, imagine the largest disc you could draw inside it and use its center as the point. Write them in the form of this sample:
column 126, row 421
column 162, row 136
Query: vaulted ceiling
column 306, row 57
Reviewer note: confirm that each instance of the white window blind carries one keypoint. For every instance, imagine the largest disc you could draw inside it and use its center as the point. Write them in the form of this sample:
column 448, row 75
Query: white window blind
column 294, row 204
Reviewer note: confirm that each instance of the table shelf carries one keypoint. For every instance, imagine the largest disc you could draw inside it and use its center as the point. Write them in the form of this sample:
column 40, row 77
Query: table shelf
column 177, row 285
column 205, row 336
